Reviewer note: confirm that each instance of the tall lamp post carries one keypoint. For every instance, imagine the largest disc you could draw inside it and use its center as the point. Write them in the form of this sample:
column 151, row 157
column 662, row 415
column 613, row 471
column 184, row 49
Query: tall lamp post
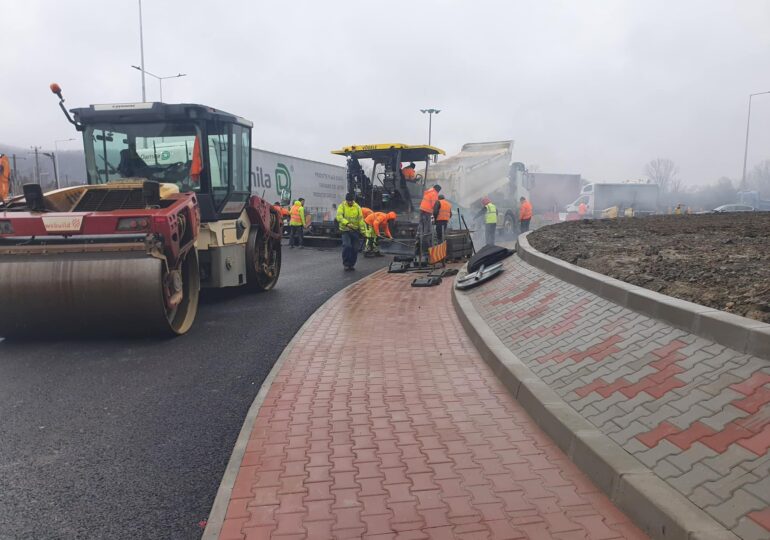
column 746, row 147
column 56, row 158
column 160, row 79
column 430, row 113
column 141, row 51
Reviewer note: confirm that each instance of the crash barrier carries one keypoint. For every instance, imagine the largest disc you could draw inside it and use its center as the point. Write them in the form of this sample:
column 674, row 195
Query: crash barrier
column 733, row 331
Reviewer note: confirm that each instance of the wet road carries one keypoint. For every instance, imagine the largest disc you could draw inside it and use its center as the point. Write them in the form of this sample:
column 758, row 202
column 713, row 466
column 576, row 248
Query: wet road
column 129, row 438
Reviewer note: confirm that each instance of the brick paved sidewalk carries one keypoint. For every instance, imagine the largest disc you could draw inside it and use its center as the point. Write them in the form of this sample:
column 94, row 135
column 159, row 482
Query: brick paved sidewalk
column 384, row 422
column 695, row 412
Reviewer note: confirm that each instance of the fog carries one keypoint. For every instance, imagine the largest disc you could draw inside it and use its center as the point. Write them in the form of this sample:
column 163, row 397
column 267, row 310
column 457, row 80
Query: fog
column 596, row 88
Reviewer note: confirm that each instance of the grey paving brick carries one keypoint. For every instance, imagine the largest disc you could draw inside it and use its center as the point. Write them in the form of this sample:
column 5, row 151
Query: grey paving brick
column 589, row 410
column 635, row 375
column 590, row 399
column 661, row 415
column 718, row 402
column 686, row 459
column 747, row 365
column 605, row 415
column 697, row 476
column 665, row 469
column 693, row 414
column 719, row 420
column 759, row 488
column 715, row 349
column 734, row 456
column 656, row 404
column 693, row 373
column 693, row 359
column 729, row 512
column 748, row 529
column 759, row 465
column 718, row 384
column 628, row 417
column 703, row 497
column 651, row 456
column 622, row 436
column 688, row 400
column 727, row 484
column 636, row 402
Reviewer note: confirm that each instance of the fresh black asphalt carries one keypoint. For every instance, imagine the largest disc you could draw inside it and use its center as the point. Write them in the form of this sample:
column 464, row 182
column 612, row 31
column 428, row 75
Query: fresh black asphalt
column 127, row 438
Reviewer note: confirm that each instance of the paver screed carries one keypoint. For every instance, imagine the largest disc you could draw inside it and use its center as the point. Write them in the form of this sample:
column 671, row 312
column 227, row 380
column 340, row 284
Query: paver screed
column 384, row 422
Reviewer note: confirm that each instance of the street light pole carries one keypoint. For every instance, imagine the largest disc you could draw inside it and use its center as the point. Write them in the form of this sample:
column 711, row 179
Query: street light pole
column 56, row 158
column 141, row 51
column 430, row 113
column 160, row 79
column 746, row 147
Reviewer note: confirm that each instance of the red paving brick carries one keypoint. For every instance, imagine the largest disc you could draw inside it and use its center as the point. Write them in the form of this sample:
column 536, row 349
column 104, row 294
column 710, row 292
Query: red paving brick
column 384, row 422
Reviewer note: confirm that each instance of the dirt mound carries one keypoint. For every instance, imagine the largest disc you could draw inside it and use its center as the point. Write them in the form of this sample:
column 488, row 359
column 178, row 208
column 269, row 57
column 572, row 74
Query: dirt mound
column 717, row 260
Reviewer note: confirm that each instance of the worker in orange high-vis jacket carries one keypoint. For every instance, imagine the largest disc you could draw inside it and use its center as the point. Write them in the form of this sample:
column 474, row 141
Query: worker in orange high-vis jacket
column 525, row 214
column 378, row 225
column 443, row 217
column 429, row 207
column 5, row 177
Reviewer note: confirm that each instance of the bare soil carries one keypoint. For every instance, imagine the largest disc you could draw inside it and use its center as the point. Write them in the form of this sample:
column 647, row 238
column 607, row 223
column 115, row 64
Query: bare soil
column 717, row 260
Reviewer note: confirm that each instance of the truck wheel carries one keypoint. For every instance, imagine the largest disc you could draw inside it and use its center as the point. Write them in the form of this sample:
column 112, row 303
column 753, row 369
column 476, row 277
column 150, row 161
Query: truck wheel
column 263, row 260
column 509, row 228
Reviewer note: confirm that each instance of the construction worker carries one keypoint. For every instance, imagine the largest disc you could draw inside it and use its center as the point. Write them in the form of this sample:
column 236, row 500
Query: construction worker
column 352, row 225
column 5, row 177
column 297, row 223
column 489, row 211
column 429, row 208
column 582, row 209
column 525, row 214
column 374, row 221
column 409, row 173
column 678, row 209
column 443, row 217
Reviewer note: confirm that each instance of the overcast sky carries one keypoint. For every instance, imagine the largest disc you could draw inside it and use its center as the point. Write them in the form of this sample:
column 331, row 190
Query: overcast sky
column 597, row 88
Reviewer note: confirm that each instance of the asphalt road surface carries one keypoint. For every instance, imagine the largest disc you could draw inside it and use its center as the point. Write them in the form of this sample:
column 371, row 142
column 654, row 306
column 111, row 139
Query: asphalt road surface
column 130, row 438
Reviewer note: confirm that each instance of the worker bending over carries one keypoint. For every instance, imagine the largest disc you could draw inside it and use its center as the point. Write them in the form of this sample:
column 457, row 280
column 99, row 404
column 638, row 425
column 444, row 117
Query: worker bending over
column 297, row 223
column 525, row 214
column 351, row 223
column 442, row 218
column 377, row 222
column 489, row 211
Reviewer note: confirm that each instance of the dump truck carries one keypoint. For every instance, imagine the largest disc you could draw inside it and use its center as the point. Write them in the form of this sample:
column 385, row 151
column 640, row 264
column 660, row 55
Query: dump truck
column 484, row 169
column 167, row 209
column 641, row 198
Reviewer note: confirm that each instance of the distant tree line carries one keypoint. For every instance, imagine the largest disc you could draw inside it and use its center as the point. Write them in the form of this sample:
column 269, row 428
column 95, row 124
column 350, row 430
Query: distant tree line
column 665, row 173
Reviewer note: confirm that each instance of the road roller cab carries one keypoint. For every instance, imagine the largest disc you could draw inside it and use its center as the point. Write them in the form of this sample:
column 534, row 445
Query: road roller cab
column 167, row 208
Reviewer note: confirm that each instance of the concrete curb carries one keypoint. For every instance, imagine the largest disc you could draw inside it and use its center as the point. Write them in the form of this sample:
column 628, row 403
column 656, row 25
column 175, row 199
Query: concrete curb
column 733, row 331
column 222, row 500
column 655, row 507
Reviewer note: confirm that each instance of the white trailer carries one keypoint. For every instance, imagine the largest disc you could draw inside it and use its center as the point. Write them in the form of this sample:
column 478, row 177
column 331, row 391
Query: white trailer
column 642, row 198
column 284, row 179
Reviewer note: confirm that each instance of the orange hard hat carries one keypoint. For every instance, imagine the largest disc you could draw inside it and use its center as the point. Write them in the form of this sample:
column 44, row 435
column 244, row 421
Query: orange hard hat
column 365, row 212
column 392, row 215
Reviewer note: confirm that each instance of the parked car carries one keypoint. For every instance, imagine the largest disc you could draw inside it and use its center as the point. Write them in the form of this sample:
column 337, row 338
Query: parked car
column 733, row 208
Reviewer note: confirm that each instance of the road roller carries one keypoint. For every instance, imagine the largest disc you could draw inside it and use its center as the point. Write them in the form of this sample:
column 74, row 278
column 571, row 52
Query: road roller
column 167, row 209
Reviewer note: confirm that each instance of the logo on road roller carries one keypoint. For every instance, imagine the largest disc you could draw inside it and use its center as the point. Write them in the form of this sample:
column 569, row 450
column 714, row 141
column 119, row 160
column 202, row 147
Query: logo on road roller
column 62, row 223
